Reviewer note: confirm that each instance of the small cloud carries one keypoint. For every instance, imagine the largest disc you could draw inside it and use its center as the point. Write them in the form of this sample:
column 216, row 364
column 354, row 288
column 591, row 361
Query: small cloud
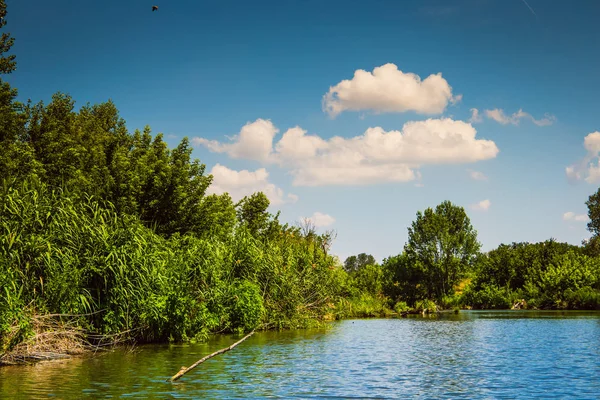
column 244, row 183
column 475, row 116
column 588, row 168
column 388, row 89
column 419, row 185
column 499, row 116
column 456, row 99
column 571, row 216
column 483, row 205
column 476, row 175
column 320, row 220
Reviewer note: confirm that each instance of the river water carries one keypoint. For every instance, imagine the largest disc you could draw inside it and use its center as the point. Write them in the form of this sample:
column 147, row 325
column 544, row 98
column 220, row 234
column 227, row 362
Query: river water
column 471, row 355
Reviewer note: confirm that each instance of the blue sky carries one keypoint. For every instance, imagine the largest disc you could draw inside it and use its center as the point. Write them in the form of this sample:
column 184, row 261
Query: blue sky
column 205, row 69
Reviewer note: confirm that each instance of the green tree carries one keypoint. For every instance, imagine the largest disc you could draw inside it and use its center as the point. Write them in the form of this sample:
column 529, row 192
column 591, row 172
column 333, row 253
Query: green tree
column 355, row 263
column 370, row 279
column 216, row 217
column 442, row 245
column 16, row 156
column 7, row 63
column 252, row 212
column 592, row 246
column 402, row 281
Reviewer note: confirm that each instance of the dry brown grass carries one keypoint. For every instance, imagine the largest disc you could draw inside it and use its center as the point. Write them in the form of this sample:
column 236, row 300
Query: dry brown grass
column 57, row 336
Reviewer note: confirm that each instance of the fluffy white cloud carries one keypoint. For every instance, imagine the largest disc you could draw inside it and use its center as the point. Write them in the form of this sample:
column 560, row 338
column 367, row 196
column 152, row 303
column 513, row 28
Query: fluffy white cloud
column 387, row 89
column 320, row 220
column 475, row 116
column 374, row 157
column 476, row 175
column 253, row 142
column 499, row 116
column 244, row 183
column 571, row 216
column 589, row 167
column 483, row 205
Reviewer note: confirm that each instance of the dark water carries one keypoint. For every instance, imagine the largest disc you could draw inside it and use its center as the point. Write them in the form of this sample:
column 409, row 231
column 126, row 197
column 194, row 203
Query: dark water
column 474, row 355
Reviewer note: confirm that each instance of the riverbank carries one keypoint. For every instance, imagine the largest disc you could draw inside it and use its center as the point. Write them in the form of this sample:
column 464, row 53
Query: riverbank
column 59, row 337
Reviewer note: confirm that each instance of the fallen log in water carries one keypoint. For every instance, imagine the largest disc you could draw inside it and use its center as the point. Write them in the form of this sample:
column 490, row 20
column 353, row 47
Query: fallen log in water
column 185, row 370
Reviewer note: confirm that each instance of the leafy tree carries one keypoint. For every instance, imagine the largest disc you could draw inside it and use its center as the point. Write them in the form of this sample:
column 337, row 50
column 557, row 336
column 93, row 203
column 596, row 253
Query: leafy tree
column 252, row 212
column 355, row 263
column 216, row 217
column 370, row 279
column 7, row 63
column 593, row 205
column 402, row 280
column 90, row 151
column 442, row 246
column 16, row 156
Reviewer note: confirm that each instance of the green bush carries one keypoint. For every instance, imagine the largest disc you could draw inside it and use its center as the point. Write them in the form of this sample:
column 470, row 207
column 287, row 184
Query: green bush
column 488, row 297
column 401, row 307
column 426, row 306
column 247, row 308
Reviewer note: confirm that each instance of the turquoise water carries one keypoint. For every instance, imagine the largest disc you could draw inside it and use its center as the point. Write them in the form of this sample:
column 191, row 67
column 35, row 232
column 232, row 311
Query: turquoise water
column 474, row 355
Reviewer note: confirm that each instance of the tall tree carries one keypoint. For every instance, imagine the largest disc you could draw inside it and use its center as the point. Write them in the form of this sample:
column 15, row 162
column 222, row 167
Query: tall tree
column 442, row 245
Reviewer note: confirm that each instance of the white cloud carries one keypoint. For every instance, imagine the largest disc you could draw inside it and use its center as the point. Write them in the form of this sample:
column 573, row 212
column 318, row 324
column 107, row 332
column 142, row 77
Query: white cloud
column 475, row 116
column 244, row 183
column 419, row 185
column 253, row 142
column 374, row 157
column 320, row 220
column 387, row 89
column 571, row 216
column 483, row 205
column 476, row 175
column 589, row 167
column 499, row 116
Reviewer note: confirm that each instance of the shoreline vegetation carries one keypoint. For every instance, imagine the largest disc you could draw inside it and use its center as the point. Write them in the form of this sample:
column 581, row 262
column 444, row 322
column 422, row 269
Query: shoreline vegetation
column 109, row 237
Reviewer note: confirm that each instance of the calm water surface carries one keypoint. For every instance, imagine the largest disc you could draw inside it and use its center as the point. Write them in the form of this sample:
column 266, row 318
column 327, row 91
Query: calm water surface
column 474, row 355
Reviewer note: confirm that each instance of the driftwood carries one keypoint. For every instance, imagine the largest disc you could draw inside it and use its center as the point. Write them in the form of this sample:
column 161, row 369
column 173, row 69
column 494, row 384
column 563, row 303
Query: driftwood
column 520, row 304
column 185, row 370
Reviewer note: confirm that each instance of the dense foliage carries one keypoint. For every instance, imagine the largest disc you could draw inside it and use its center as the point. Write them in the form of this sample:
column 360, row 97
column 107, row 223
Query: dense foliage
column 441, row 267
column 117, row 229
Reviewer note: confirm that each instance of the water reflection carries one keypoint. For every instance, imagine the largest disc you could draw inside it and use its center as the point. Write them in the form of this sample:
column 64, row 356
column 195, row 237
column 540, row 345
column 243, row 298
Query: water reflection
column 477, row 354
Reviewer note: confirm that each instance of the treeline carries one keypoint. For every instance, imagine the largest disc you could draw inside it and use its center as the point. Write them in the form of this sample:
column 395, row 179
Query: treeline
column 442, row 267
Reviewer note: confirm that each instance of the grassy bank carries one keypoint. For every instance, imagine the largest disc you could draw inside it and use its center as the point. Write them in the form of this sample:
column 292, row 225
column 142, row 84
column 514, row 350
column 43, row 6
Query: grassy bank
column 61, row 255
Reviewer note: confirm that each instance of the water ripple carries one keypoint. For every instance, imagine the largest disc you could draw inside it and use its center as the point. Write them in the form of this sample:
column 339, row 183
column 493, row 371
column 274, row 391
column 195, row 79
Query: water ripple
column 483, row 355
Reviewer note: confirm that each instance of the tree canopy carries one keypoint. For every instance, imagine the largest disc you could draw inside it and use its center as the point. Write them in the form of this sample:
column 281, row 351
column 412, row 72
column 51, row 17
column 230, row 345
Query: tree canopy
column 355, row 263
column 442, row 245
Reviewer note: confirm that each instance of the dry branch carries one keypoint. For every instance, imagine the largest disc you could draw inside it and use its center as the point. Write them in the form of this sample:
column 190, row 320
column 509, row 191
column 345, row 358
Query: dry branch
column 185, row 370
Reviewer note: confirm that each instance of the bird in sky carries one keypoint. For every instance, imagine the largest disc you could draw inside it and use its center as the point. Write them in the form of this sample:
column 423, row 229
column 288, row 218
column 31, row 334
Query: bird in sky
column 154, row 8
